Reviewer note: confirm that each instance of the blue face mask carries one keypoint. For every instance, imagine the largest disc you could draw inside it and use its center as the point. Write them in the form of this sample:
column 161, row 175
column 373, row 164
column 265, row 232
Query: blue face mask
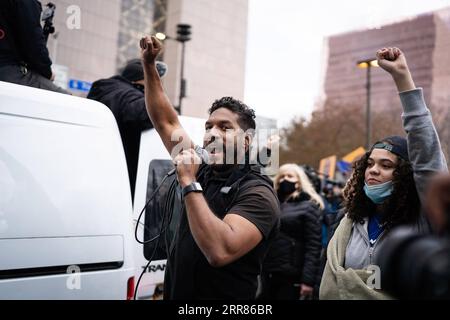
column 378, row 192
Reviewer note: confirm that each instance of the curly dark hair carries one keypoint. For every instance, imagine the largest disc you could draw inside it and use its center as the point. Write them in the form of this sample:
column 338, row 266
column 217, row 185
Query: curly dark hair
column 246, row 115
column 402, row 207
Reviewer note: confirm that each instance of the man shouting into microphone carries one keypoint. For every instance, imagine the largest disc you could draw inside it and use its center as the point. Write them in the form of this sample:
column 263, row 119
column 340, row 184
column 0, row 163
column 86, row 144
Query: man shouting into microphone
column 230, row 211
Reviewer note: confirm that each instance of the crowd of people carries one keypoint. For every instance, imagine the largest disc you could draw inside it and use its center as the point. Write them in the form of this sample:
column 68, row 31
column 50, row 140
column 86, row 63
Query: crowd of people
column 242, row 235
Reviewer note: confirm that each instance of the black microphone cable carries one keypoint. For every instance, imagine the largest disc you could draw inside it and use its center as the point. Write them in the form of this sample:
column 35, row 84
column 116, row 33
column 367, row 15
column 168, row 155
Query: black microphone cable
column 162, row 228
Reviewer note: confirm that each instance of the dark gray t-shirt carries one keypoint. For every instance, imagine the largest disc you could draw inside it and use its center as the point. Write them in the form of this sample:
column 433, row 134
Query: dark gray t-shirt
column 189, row 275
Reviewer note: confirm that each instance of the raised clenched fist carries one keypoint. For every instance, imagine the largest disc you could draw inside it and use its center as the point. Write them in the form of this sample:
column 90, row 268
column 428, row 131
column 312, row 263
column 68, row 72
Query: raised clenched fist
column 150, row 49
column 392, row 60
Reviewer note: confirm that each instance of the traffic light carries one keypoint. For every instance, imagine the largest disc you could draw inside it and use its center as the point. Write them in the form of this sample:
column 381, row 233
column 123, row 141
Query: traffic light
column 183, row 32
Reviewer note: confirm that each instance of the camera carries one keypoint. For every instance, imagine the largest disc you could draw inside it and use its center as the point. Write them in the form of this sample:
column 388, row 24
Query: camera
column 47, row 16
column 415, row 265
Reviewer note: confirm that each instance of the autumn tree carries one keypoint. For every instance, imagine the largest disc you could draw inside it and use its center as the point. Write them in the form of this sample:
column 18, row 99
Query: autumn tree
column 335, row 130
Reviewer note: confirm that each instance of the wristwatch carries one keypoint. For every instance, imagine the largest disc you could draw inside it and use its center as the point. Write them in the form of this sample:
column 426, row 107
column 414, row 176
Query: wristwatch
column 193, row 187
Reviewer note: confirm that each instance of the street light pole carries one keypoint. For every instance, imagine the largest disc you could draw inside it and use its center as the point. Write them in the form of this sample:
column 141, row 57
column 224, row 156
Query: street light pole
column 182, row 80
column 183, row 35
column 368, row 64
column 368, row 111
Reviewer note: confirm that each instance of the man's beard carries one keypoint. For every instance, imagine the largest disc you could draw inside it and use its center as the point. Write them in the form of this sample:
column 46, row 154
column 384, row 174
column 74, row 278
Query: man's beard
column 227, row 165
column 221, row 167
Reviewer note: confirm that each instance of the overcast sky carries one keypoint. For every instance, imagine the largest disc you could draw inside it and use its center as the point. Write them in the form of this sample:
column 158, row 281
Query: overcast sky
column 284, row 47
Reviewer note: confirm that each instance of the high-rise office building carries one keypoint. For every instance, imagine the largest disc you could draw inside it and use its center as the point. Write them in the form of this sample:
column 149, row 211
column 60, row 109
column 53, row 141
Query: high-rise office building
column 86, row 41
column 215, row 57
column 109, row 33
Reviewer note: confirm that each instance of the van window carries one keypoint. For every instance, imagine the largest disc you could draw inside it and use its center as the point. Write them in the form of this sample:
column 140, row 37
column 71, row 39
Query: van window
column 155, row 210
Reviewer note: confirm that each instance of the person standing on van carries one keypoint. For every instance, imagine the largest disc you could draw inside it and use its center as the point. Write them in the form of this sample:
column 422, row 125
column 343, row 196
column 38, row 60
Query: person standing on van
column 231, row 211
column 24, row 57
column 124, row 95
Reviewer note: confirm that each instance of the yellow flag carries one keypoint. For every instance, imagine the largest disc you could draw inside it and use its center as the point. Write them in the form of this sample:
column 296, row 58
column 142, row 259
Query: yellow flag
column 355, row 154
column 327, row 166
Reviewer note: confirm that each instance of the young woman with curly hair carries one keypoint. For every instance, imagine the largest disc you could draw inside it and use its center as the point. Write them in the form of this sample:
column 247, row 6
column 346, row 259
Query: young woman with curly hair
column 384, row 191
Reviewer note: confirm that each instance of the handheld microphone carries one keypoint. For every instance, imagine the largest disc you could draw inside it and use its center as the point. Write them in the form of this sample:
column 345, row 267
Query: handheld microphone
column 202, row 153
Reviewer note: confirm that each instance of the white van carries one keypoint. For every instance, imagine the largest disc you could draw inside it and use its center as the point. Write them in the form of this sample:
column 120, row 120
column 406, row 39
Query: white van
column 65, row 204
column 66, row 216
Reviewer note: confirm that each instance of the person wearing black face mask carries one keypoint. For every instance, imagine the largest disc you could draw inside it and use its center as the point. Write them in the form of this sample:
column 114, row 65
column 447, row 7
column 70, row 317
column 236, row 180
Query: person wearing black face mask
column 290, row 267
column 285, row 189
column 124, row 95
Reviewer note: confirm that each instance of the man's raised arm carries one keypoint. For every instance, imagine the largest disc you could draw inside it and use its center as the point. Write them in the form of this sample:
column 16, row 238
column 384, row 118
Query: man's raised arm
column 163, row 115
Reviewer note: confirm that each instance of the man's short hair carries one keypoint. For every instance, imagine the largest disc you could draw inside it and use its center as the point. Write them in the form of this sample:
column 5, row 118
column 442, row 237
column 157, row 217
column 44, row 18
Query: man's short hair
column 246, row 115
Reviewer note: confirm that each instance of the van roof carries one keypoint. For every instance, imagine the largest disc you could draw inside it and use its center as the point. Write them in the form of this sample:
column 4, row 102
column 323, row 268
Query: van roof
column 19, row 100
